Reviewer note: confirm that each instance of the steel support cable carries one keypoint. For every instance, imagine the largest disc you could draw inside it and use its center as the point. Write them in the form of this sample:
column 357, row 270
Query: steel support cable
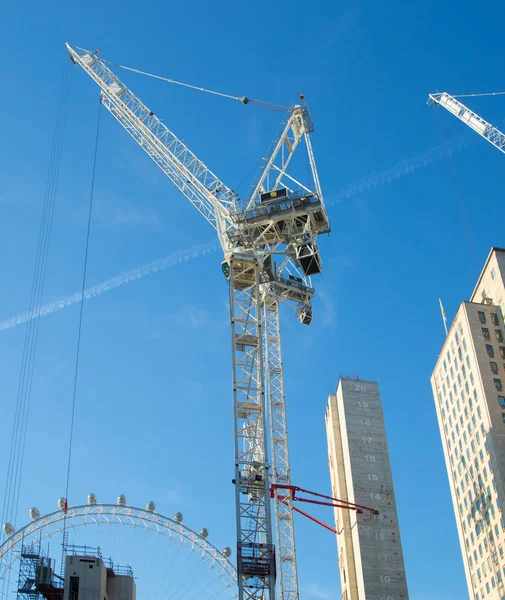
column 208, row 587
column 167, row 572
column 199, row 570
column 173, row 595
column 18, row 441
column 81, row 311
column 241, row 99
column 475, row 95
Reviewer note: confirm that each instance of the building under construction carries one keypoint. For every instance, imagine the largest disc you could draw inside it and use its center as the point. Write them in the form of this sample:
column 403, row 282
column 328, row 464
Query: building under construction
column 86, row 575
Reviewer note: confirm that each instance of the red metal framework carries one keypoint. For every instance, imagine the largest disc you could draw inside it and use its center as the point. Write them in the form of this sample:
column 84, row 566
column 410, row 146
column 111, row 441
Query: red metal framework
column 335, row 503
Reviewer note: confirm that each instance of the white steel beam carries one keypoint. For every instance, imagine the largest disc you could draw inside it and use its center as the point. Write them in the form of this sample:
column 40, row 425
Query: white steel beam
column 281, row 471
column 463, row 113
column 255, row 549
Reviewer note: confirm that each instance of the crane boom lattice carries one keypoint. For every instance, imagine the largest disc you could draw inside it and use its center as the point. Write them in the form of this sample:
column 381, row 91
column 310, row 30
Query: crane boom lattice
column 463, row 113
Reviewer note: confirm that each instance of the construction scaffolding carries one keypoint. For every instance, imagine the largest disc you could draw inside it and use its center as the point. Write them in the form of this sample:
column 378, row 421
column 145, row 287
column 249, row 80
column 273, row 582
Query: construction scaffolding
column 37, row 579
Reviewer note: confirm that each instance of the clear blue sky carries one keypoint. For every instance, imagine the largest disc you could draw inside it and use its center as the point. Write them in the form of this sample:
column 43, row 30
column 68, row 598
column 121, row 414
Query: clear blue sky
column 154, row 404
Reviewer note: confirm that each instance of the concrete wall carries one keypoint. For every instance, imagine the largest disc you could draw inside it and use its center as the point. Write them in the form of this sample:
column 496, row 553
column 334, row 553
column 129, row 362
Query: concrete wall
column 92, row 577
column 121, row 587
column 364, row 464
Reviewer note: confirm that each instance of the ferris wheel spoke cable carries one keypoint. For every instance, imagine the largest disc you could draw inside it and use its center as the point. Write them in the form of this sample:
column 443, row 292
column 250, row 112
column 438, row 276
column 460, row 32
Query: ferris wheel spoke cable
column 196, row 576
column 167, row 573
column 196, row 581
column 184, row 565
column 22, row 410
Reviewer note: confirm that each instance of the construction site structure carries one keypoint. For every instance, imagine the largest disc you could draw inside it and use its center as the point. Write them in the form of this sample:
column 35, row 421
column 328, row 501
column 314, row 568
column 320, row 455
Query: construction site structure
column 37, row 578
column 369, row 546
column 490, row 133
column 87, row 576
column 269, row 242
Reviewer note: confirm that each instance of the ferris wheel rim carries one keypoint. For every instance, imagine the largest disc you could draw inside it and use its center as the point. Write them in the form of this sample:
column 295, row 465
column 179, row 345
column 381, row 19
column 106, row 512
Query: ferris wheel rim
column 95, row 514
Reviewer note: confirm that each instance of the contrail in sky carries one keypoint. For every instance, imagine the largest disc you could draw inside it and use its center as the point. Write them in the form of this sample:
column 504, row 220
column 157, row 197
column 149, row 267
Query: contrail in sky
column 161, row 264
column 404, row 167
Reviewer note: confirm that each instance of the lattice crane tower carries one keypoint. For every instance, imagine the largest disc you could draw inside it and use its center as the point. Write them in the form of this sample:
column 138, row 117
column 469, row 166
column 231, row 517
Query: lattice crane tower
column 269, row 241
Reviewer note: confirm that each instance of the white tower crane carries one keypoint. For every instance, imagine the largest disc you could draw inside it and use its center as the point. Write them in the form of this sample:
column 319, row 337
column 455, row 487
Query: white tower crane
column 270, row 252
column 458, row 109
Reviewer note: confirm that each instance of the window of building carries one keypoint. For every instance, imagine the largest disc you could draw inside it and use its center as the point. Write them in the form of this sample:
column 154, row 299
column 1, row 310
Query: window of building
column 494, row 367
column 503, row 417
column 485, row 333
column 499, row 335
column 502, row 351
column 457, row 337
column 501, row 401
column 482, row 316
column 489, row 350
column 494, row 318
column 498, row 384
column 493, row 273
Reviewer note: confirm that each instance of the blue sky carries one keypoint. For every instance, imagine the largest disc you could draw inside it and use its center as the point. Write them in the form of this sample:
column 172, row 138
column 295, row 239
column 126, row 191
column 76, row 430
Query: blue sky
column 153, row 413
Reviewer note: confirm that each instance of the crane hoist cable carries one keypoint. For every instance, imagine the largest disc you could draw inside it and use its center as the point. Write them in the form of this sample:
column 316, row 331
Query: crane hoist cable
column 241, row 99
column 24, row 391
column 79, row 330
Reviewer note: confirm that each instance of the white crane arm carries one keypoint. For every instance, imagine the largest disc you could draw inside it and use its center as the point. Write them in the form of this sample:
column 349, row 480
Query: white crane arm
column 473, row 120
column 210, row 196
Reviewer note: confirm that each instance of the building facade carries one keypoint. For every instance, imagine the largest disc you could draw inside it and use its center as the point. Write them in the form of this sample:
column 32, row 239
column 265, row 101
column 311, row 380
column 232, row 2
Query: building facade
column 88, row 577
column 469, row 390
column 369, row 546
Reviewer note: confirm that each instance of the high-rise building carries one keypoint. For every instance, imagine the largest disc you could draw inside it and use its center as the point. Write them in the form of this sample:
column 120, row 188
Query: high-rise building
column 369, row 547
column 468, row 387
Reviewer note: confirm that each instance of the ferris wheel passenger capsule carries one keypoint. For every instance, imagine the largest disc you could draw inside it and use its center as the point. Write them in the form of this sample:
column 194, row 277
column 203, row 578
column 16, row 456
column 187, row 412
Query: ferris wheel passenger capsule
column 204, row 533
column 226, row 552
column 8, row 529
column 91, row 499
column 62, row 503
column 121, row 500
column 34, row 513
column 178, row 517
column 151, row 506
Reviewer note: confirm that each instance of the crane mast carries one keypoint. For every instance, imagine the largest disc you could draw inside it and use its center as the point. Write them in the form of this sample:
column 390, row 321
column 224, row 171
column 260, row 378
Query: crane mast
column 282, row 218
column 463, row 113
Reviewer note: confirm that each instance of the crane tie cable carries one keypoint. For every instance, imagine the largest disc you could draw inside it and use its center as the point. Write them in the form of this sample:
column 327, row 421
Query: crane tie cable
column 474, row 95
column 241, row 99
